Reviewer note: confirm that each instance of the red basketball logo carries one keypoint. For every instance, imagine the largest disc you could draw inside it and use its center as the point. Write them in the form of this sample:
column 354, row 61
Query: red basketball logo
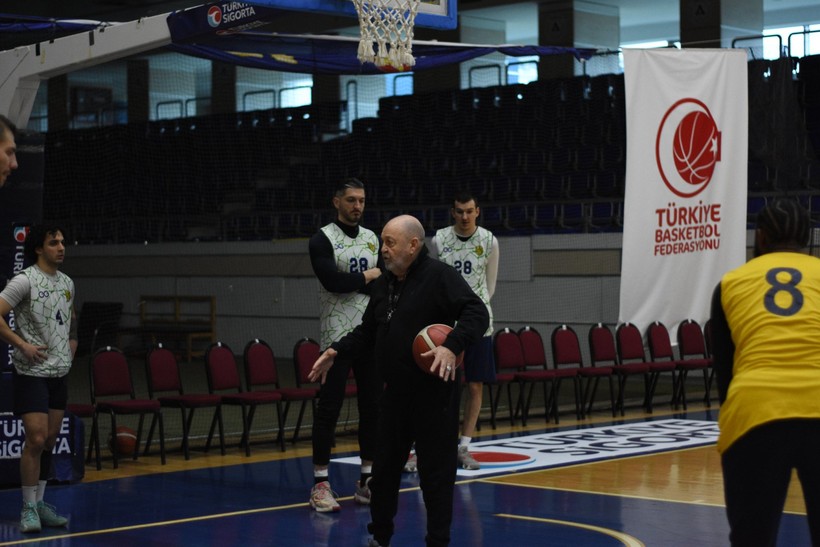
column 20, row 233
column 695, row 148
column 687, row 148
column 214, row 16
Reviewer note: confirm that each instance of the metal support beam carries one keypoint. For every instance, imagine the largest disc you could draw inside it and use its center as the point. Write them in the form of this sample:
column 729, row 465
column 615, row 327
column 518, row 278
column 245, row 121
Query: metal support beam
column 23, row 68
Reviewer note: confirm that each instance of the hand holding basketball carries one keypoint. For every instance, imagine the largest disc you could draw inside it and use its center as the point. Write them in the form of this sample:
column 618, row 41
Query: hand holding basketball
column 431, row 356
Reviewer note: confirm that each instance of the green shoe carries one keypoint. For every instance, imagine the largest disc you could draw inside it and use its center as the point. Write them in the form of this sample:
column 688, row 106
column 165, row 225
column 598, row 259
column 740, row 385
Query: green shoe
column 48, row 515
column 29, row 519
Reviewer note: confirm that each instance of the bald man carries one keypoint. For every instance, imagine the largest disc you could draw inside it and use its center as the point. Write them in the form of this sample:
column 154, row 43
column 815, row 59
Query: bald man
column 416, row 291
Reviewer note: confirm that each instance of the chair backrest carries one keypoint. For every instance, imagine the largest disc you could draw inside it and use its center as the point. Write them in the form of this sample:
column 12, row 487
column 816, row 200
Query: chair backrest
column 691, row 342
column 110, row 374
column 566, row 349
column 260, row 365
column 220, row 365
column 532, row 347
column 660, row 345
column 602, row 350
column 630, row 343
column 305, row 353
column 162, row 371
column 508, row 352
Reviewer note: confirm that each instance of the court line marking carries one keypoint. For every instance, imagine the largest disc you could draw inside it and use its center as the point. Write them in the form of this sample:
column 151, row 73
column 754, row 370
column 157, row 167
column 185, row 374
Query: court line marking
column 495, row 480
column 153, row 524
column 157, row 524
column 626, row 539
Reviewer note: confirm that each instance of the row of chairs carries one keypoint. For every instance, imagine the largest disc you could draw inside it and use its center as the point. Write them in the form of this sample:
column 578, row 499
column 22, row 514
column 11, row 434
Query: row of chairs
column 113, row 393
column 521, row 361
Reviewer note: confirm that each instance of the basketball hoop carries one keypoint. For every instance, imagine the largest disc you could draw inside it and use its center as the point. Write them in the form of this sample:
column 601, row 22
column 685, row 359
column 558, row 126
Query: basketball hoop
column 389, row 25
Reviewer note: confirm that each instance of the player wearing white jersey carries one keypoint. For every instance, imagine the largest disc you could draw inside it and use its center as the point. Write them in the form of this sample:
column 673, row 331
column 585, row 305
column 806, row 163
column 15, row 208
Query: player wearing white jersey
column 473, row 251
column 344, row 256
column 44, row 344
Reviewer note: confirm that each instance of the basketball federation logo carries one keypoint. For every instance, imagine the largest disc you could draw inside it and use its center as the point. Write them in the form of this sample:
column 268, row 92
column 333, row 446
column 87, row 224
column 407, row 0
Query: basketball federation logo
column 214, row 16
column 687, row 148
column 20, row 233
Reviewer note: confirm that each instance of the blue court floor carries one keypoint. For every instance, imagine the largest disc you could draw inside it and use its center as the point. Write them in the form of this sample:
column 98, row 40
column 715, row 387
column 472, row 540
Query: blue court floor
column 265, row 503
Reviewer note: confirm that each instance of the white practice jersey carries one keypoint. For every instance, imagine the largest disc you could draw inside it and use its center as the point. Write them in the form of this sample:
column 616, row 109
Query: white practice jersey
column 341, row 313
column 42, row 313
column 470, row 258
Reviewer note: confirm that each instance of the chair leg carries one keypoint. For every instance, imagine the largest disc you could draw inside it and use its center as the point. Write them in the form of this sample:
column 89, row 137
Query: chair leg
column 650, row 381
column 579, row 405
column 216, row 420
column 113, row 434
column 93, row 438
column 525, row 406
column 681, row 391
column 243, row 440
column 707, row 387
column 280, row 437
column 186, row 431
column 139, row 438
column 247, row 433
column 621, row 390
column 96, row 428
column 158, row 417
column 555, row 388
column 494, row 404
column 611, row 397
column 513, row 409
column 299, row 422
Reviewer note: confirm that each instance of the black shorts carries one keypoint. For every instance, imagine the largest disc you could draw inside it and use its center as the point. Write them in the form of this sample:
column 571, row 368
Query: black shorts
column 35, row 394
column 479, row 363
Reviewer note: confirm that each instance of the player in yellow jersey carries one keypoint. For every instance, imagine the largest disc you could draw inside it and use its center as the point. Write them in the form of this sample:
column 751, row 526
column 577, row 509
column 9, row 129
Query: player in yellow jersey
column 766, row 345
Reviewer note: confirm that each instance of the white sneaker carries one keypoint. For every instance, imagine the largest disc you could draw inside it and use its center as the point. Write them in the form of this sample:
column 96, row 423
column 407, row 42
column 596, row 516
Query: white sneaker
column 466, row 460
column 412, row 463
column 323, row 499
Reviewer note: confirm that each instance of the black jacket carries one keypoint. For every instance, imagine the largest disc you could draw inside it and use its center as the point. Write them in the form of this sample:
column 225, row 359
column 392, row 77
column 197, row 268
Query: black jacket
column 432, row 292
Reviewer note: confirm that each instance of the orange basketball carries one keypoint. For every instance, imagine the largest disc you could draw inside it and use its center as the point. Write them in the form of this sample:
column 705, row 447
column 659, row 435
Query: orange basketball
column 428, row 338
column 125, row 443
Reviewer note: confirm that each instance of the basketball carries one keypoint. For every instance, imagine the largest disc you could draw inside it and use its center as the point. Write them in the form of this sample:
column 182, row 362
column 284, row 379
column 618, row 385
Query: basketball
column 696, row 148
column 125, row 443
column 428, row 338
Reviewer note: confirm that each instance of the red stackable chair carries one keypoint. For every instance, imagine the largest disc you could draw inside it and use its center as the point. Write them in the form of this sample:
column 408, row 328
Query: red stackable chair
column 566, row 352
column 165, row 385
column 538, row 371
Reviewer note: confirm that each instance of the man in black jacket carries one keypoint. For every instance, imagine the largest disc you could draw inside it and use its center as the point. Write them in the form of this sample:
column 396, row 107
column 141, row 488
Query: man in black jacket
column 416, row 291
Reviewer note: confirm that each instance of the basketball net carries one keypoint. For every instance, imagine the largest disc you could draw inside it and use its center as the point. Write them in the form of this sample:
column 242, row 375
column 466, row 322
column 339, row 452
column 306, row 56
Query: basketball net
column 388, row 24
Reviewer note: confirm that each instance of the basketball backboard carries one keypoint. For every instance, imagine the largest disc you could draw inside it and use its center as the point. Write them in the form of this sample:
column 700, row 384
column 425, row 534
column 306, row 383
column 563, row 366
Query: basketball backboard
column 441, row 14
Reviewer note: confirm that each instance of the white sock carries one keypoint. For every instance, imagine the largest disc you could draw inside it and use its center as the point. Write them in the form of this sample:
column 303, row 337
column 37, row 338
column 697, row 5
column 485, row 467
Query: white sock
column 29, row 494
column 367, row 469
column 465, row 441
column 41, row 490
column 321, row 473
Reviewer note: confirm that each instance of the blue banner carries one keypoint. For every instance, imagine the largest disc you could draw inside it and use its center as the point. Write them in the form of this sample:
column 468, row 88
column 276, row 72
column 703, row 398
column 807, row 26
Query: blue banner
column 232, row 32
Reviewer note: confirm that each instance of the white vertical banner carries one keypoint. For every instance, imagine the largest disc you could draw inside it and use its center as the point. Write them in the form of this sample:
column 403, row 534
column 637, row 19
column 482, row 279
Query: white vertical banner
column 685, row 198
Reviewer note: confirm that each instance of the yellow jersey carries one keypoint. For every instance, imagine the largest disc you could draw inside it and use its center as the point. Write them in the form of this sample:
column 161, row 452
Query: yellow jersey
column 772, row 307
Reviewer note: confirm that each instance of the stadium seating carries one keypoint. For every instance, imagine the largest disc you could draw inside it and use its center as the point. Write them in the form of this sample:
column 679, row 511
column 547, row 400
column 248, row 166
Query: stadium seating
column 552, row 145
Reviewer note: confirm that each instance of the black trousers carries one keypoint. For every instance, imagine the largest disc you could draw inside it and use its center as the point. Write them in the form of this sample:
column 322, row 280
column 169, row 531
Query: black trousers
column 331, row 397
column 757, row 470
column 427, row 414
